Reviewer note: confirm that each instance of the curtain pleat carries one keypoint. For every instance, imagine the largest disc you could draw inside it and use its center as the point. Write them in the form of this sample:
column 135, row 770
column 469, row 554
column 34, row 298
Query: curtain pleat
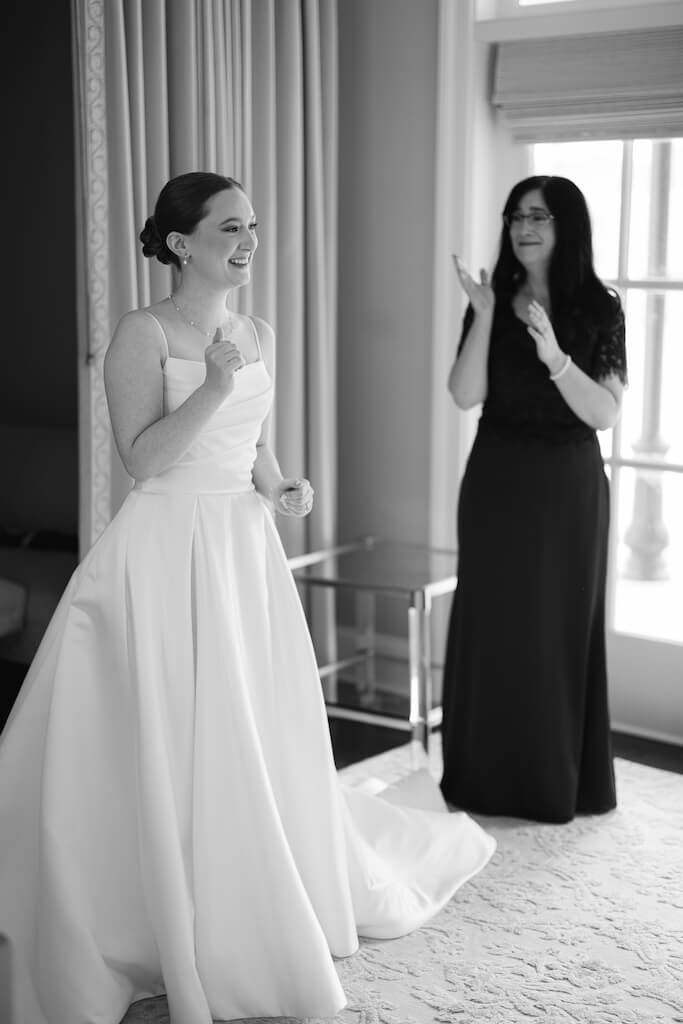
column 134, row 41
column 290, row 402
column 223, row 155
column 260, row 166
column 182, row 87
column 319, row 303
column 121, row 199
column 320, row 155
column 209, row 32
column 156, row 118
column 122, row 42
column 238, row 75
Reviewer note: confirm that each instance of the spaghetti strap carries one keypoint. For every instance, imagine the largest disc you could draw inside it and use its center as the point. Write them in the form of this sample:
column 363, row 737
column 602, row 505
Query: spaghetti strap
column 157, row 321
column 258, row 343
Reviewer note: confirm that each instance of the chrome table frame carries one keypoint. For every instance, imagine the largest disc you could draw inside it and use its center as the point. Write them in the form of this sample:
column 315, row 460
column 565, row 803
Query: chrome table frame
column 422, row 716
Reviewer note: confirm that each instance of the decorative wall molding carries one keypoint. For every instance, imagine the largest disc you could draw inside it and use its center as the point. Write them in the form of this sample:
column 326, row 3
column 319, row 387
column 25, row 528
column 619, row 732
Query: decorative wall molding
column 92, row 90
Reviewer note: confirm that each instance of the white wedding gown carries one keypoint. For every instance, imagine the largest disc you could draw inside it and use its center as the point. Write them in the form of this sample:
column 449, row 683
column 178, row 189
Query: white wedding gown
column 170, row 816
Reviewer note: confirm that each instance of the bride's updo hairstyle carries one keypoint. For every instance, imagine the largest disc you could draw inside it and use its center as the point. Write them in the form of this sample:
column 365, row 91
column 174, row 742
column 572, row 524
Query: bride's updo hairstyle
column 180, row 207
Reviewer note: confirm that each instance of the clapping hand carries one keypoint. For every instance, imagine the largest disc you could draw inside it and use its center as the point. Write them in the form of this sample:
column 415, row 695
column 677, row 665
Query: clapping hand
column 481, row 296
column 541, row 330
column 293, row 497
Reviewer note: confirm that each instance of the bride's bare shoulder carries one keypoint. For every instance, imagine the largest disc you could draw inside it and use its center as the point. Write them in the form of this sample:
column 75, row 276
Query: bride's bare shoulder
column 139, row 335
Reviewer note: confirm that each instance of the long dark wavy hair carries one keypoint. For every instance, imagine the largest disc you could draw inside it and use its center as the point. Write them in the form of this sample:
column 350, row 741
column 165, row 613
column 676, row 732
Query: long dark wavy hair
column 578, row 296
column 180, row 207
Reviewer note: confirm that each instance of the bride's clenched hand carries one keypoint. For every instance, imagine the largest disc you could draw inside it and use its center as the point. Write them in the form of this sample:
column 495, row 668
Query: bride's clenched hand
column 223, row 359
column 481, row 294
column 293, row 497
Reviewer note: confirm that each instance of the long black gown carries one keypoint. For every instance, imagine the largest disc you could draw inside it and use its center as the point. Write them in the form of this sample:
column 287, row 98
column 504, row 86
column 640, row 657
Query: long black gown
column 525, row 709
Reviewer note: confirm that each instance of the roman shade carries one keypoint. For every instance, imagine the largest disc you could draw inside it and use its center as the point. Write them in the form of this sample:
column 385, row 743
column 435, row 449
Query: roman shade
column 602, row 86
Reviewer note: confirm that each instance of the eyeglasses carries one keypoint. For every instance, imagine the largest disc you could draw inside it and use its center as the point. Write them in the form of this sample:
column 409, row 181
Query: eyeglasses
column 537, row 218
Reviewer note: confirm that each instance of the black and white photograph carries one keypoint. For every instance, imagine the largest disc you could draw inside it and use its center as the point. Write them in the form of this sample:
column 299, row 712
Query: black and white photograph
column 341, row 512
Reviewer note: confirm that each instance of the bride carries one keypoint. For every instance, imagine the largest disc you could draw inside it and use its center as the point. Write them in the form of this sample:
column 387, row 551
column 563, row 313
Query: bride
column 170, row 816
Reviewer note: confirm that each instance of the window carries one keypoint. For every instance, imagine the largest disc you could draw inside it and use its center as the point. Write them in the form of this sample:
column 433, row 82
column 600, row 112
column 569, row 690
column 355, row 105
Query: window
column 519, row 8
column 510, row 7
column 634, row 191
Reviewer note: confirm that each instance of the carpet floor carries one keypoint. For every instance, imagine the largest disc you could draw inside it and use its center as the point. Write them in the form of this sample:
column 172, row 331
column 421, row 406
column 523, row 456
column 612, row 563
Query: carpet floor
column 568, row 924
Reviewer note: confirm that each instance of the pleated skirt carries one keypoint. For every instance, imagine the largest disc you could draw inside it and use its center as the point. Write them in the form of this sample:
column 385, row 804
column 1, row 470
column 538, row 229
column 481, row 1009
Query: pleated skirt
column 170, row 816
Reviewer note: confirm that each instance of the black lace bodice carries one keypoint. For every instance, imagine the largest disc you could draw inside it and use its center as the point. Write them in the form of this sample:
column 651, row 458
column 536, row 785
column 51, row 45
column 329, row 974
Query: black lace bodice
column 521, row 397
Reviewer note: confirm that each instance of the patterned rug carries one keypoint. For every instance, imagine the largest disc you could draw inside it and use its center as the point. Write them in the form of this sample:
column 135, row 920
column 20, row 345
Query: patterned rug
column 568, row 924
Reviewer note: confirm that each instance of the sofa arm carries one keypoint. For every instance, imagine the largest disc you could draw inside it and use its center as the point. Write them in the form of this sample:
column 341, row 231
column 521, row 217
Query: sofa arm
column 12, row 607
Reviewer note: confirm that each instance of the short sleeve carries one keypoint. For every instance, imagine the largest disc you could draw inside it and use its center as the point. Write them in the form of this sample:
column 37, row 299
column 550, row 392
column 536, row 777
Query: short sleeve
column 609, row 357
column 466, row 324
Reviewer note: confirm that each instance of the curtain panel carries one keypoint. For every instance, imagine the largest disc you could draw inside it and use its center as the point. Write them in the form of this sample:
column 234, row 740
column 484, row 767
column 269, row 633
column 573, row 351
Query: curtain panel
column 246, row 88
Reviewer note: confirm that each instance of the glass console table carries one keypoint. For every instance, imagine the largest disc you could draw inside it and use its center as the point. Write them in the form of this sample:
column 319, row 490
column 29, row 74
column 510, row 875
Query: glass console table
column 372, row 568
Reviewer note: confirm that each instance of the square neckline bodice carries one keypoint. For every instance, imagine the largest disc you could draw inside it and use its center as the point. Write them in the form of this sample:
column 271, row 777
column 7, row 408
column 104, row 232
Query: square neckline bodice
column 202, row 362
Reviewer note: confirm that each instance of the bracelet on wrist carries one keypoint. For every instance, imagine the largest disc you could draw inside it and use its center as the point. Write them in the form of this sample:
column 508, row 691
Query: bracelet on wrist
column 563, row 369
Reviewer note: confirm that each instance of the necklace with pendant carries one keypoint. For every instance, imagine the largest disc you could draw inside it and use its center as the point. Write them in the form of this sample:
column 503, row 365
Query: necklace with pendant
column 230, row 323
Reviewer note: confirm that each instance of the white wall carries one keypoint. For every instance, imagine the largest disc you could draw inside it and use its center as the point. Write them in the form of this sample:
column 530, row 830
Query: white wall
column 386, row 215
column 389, row 52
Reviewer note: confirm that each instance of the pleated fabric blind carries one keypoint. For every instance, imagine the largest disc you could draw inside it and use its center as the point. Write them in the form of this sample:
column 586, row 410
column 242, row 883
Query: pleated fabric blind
column 602, row 86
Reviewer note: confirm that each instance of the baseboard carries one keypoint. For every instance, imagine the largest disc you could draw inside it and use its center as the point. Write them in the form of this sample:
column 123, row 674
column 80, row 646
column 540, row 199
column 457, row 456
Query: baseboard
column 647, row 734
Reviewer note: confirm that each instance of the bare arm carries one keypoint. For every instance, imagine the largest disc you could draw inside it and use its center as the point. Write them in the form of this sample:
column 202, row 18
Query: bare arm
column 597, row 403
column 290, row 496
column 147, row 440
column 266, row 473
column 468, row 379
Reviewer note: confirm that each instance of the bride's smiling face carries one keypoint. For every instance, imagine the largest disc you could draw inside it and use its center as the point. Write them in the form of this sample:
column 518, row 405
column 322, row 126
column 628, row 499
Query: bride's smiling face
column 222, row 245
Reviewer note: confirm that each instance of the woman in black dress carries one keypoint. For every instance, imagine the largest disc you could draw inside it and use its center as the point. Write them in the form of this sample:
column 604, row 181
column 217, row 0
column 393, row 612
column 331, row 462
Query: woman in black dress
column 525, row 710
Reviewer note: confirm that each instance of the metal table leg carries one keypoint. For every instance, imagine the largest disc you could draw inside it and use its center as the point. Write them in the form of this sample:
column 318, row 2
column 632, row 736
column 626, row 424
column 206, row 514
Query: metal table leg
column 419, row 642
column 365, row 642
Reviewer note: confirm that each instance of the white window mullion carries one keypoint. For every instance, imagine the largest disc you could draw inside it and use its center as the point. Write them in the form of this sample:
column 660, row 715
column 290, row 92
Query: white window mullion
column 615, row 461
